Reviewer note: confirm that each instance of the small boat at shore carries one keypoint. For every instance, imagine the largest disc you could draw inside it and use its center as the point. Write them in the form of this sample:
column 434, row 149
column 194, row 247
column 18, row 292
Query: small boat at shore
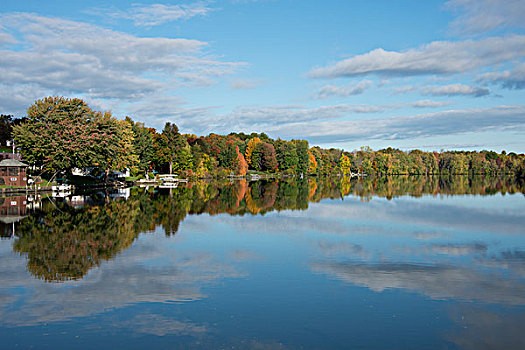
column 61, row 188
column 161, row 181
column 169, row 185
column 61, row 191
column 147, row 182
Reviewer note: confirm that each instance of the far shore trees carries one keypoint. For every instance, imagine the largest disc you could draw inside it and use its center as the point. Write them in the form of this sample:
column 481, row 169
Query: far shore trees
column 59, row 134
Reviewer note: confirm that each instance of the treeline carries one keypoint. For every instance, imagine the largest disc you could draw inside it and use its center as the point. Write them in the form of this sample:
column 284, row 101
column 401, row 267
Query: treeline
column 60, row 134
column 392, row 161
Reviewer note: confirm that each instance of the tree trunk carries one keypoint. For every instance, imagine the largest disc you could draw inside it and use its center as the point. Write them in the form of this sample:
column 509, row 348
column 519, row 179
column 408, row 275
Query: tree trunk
column 171, row 168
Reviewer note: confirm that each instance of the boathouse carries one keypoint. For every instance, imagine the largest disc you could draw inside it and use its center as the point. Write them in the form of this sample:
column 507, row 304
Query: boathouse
column 13, row 172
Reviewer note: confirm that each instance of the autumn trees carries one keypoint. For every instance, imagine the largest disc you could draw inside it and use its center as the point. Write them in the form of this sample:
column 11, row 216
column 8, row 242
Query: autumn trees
column 60, row 134
column 392, row 161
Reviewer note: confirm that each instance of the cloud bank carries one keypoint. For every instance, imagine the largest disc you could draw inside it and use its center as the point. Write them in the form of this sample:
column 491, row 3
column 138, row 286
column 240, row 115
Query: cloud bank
column 438, row 57
column 456, row 90
column 49, row 56
column 344, row 91
column 479, row 16
column 158, row 14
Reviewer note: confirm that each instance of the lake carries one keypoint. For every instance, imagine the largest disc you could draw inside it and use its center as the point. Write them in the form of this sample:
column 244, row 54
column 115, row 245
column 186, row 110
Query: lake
column 389, row 263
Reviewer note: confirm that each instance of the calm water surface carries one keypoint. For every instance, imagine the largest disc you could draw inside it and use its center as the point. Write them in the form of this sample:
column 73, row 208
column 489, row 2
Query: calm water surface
column 398, row 263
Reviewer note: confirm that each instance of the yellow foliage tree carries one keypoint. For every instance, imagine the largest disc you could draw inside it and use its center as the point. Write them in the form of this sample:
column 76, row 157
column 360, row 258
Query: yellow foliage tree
column 312, row 163
column 345, row 164
column 250, row 147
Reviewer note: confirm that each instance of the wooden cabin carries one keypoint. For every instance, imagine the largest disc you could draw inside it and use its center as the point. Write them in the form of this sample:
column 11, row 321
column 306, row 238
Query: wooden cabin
column 13, row 172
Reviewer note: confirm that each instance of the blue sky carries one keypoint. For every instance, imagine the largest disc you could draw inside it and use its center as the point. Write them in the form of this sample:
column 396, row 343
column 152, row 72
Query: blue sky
column 408, row 74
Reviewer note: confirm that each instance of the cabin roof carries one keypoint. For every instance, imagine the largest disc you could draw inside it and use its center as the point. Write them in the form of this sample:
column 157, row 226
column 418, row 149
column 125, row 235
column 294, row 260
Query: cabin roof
column 13, row 163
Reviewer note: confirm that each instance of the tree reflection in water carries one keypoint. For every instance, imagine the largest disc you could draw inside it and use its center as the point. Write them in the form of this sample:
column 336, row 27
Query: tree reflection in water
column 63, row 242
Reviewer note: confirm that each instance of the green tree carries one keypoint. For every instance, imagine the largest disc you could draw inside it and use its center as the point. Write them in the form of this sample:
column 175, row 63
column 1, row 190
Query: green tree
column 113, row 143
column 382, row 163
column 302, row 155
column 286, row 155
column 6, row 128
column 169, row 145
column 143, row 145
column 56, row 134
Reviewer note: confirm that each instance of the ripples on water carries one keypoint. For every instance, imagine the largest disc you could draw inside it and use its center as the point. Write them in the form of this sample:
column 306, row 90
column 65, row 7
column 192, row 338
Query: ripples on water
column 386, row 263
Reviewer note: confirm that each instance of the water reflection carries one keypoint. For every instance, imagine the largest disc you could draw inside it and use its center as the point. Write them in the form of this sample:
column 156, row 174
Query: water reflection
column 63, row 243
column 64, row 238
column 487, row 329
column 444, row 250
column 282, row 255
column 440, row 282
column 148, row 273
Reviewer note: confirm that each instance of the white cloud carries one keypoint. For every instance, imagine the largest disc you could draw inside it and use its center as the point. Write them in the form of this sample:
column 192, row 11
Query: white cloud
column 157, row 14
column 404, row 89
column 16, row 98
column 439, row 282
column 271, row 118
column 439, row 57
column 245, row 84
column 146, row 272
column 330, row 124
column 158, row 110
column 6, row 38
column 455, row 90
column 160, row 325
column 429, row 104
column 63, row 57
column 514, row 79
column 458, row 249
column 400, row 128
column 479, row 16
column 344, row 91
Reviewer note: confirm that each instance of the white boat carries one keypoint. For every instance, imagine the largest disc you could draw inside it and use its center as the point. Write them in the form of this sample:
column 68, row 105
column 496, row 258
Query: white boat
column 147, row 182
column 169, row 185
column 62, row 188
column 168, row 179
column 61, row 191
column 255, row 177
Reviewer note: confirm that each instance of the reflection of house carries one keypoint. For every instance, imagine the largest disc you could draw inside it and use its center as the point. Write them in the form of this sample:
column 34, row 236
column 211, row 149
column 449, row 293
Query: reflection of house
column 13, row 173
column 76, row 202
column 12, row 209
column 121, row 193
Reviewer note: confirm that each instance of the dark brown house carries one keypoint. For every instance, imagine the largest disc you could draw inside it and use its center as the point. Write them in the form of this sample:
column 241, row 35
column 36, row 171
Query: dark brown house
column 13, row 173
